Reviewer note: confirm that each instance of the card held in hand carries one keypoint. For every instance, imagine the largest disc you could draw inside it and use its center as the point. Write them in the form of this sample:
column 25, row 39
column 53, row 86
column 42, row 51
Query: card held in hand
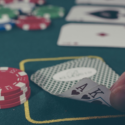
column 85, row 79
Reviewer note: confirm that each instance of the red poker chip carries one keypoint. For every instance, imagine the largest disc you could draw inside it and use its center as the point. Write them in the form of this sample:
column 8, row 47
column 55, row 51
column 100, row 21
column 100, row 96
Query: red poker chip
column 12, row 81
column 32, row 23
column 2, row 98
column 19, row 98
column 17, row 103
column 40, row 2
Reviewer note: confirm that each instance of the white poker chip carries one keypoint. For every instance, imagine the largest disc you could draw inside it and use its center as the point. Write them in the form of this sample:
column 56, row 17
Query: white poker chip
column 8, row 27
column 5, row 18
column 40, row 2
column 22, row 6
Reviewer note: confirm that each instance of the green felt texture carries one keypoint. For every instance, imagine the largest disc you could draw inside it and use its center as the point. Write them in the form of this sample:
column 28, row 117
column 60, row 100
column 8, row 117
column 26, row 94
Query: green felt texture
column 17, row 45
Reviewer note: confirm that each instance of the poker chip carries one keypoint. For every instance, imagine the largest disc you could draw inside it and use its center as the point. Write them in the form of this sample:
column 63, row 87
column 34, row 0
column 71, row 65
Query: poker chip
column 6, row 23
column 39, row 2
column 2, row 2
column 16, row 99
column 14, row 87
column 2, row 98
column 4, row 19
column 8, row 12
column 7, row 26
column 22, row 100
column 32, row 23
column 21, row 6
column 49, row 11
column 12, row 81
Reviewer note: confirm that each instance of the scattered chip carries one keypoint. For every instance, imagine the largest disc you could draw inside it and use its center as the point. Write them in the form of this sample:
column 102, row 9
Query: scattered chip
column 8, row 12
column 4, row 19
column 39, row 2
column 21, row 6
column 49, row 11
column 7, row 26
column 32, row 23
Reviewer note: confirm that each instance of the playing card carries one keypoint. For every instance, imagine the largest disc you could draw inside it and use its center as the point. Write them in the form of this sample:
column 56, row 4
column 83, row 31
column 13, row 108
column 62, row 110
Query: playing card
column 108, row 2
column 99, row 94
column 92, row 35
column 83, row 1
column 97, row 14
column 34, row 76
column 96, row 94
column 102, row 2
column 60, row 78
column 82, row 86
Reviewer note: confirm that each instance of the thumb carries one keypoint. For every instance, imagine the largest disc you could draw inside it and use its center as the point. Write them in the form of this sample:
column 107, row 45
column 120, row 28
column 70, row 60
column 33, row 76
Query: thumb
column 117, row 97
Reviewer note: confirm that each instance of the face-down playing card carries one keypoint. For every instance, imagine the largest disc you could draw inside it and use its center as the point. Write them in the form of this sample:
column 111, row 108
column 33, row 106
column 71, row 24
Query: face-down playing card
column 76, row 78
column 97, row 14
column 92, row 35
column 101, row 2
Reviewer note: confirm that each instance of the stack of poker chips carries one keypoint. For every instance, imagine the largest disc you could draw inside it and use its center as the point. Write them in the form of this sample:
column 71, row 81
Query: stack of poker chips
column 35, row 15
column 6, row 21
column 14, row 87
column 49, row 11
column 32, row 23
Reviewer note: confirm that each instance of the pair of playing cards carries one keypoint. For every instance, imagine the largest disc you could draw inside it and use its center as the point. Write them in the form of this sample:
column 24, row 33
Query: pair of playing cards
column 100, row 35
column 102, row 2
column 85, row 79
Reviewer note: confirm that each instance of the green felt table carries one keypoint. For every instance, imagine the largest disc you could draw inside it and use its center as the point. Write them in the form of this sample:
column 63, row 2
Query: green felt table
column 32, row 50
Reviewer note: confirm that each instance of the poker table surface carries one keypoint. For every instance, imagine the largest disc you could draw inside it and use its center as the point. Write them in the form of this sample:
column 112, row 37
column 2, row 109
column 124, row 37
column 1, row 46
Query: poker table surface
column 33, row 50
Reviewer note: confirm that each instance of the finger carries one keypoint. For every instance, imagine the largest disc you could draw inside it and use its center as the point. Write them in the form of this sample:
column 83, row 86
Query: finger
column 119, row 81
column 117, row 97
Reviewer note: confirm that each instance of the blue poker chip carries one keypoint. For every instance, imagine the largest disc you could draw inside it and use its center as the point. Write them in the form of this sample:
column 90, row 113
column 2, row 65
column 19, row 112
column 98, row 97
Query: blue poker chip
column 7, row 26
